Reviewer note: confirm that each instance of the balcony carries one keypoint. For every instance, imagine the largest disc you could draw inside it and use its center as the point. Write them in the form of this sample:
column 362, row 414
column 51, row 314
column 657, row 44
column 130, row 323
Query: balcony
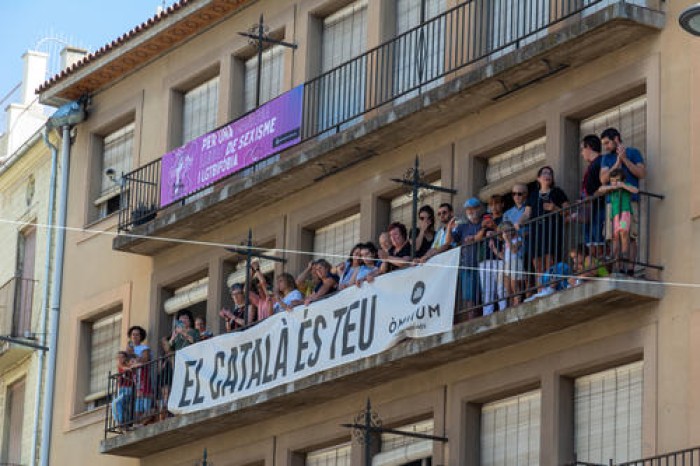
column 391, row 95
column 16, row 301
column 577, row 297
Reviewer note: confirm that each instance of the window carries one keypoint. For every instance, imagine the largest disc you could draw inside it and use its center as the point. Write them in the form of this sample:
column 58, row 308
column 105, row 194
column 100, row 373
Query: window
column 272, row 75
column 514, row 161
column 608, row 414
column 334, row 241
column 14, row 421
column 24, row 287
column 117, row 153
column 402, row 205
column 510, row 431
column 105, row 337
column 412, row 451
column 199, row 109
column 337, row 455
column 420, row 55
column 630, row 118
column 342, row 93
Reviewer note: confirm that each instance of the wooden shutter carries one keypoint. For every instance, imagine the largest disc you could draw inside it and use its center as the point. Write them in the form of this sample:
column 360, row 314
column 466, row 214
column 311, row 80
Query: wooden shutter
column 105, row 338
column 510, row 431
column 199, row 109
column 333, row 242
column 608, row 414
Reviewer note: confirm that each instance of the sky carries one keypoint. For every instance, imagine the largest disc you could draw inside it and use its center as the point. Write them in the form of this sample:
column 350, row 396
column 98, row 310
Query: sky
column 88, row 24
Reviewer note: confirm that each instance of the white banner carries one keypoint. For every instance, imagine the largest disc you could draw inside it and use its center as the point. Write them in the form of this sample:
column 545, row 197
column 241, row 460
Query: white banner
column 350, row 325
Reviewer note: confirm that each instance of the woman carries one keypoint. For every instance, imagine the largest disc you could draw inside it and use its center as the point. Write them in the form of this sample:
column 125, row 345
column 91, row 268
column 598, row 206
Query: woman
column 546, row 229
column 234, row 317
column 287, row 296
column 369, row 268
column 326, row 284
column 200, row 323
column 140, row 354
column 183, row 334
column 262, row 299
column 349, row 269
column 426, row 230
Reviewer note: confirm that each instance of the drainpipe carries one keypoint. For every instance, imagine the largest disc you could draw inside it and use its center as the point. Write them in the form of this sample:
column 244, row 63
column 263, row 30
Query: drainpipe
column 44, row 295
column 65, row 117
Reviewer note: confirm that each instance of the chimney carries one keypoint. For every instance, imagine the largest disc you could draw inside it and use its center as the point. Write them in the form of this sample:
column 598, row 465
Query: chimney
column 70, row 56
column 34, row 74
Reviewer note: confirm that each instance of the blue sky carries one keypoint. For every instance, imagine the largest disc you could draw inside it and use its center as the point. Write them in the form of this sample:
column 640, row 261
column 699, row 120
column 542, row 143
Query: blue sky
column 87, row 23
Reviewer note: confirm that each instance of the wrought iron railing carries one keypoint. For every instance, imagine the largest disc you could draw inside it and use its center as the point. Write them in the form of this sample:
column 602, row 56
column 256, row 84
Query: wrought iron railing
column 553, row 252
column 16, row 301
column 139, row 396
column 402, row 67
column 687, row 457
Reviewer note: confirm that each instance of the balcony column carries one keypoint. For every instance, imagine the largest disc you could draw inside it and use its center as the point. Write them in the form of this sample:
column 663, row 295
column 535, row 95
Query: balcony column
column 217, row 294
column 557, row 419
column 562, row 152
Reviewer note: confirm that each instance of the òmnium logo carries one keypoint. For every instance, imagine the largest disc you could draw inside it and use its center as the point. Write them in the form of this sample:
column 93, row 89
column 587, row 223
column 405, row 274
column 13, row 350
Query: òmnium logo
column 418, row 292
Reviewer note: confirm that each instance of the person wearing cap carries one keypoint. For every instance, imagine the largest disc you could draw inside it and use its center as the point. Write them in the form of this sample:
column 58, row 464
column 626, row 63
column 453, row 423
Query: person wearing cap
column 467, row 235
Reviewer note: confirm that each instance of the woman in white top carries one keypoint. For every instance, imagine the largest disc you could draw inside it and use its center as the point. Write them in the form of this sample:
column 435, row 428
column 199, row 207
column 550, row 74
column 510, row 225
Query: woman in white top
column 287, row 296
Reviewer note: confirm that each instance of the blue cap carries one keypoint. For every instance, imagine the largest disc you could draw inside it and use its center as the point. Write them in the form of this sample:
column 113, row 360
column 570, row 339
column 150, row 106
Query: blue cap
column 473, row 203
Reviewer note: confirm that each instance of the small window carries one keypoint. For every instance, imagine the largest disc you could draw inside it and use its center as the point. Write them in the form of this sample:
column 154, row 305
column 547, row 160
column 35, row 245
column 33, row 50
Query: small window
column 333, row 242
column 199, row 109
column 608, row 414
column 116, row 156
column 105, row 338
column 510, row 431
column 337, row 455
column 272, row 75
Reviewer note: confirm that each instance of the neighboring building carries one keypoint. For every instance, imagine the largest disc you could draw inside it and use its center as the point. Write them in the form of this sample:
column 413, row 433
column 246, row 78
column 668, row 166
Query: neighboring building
column 604, row 371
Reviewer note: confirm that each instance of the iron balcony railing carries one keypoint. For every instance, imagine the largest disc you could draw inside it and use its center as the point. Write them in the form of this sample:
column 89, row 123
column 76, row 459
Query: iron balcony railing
column 140, row 395
column 561, row 249
column 687, row 457
column 16, row 302
column 400, row 68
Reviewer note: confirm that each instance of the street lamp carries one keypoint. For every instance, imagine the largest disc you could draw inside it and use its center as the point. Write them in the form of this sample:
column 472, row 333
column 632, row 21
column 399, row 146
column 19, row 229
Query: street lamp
column 690, row 19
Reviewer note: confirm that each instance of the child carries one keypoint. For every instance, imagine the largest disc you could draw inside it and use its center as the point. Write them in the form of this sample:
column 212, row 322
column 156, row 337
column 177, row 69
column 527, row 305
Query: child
column 584, row 265
column 512, row 256
column 620, row 198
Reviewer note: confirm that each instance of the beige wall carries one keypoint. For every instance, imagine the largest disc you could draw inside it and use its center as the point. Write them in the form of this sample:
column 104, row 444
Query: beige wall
column 665, row 335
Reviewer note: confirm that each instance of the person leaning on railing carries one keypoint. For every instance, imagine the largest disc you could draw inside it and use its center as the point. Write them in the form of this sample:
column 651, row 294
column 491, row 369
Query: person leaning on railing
column 140, row 354
column 122, row 402
column 234, row 317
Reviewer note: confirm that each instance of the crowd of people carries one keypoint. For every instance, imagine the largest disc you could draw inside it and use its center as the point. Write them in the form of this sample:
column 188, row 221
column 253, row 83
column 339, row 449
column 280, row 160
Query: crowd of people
column 512, row 250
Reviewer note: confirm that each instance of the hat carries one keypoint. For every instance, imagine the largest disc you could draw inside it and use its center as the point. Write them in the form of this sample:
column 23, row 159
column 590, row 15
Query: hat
column 473, row 203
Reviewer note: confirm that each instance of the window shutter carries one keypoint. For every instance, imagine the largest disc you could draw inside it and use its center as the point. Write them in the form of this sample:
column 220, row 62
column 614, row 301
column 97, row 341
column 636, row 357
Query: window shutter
column 513, row 161
column 344, row 37
column 199, row 109
column 608, row 415
column 337, row 455
column 104, row 344
column 272, row 75
column 630, row 118
column 186, row 296
column 510, row 431
column 333, row 242
column 117, row 151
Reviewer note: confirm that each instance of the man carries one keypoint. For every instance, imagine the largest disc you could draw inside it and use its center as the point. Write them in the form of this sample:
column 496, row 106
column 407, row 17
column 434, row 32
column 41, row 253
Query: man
column 631, row 162
column 444, row 214
column 593, row 214
column 491, row 267
column 513, row 215
column 467, row 234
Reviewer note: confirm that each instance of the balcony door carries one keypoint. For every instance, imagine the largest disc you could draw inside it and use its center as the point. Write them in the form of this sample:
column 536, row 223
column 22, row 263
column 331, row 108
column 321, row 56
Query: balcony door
column 24, row 288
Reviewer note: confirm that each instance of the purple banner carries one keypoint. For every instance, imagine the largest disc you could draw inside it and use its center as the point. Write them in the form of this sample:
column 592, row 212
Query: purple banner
column 268, row 130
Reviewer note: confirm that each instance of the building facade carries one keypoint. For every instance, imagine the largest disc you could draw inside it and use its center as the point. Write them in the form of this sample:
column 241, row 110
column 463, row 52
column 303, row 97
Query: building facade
column 484, row 93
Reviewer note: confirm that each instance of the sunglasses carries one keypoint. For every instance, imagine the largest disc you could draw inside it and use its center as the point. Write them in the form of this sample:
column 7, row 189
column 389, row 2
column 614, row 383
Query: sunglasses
column 515, row 193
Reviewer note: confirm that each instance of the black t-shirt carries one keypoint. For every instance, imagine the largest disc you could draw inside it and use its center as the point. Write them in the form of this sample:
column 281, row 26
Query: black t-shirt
column 405, row 251
column 536, row 200
column 591, row 182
